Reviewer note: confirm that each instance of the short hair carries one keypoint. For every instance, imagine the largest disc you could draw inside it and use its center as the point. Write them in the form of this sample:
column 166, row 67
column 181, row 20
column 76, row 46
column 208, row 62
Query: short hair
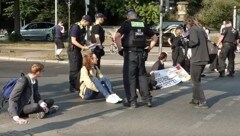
column 228, row 22
column 36, row 67
column 162, row 56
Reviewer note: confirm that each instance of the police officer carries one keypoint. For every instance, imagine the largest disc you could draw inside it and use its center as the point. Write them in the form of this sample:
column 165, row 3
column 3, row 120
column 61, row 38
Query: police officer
column 76, row 44
column 98, row 36
column 229, row 38
column 132, row 46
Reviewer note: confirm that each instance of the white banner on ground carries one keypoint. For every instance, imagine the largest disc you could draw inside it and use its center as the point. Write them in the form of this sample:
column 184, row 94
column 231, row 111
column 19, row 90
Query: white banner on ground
column 171, row 76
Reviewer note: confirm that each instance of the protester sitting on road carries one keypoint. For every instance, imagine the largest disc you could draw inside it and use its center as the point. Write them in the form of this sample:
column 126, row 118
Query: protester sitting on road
column 25, row 99
column 158, row 65
column 92, row 81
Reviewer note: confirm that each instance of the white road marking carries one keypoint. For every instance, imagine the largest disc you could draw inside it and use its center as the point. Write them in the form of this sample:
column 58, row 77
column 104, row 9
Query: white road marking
column 197, row 125
column 209, row 116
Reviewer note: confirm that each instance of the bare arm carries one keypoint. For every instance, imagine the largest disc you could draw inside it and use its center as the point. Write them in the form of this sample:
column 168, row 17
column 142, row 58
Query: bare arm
column 97, row 37
column 153, row 42
column 118, row 41
column 220, row 40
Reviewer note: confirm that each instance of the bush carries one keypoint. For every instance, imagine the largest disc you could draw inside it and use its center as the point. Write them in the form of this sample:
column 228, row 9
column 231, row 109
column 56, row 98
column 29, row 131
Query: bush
column 15, row 37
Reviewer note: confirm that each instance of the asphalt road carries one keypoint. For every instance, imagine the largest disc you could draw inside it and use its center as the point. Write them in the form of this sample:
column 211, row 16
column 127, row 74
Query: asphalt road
column 171, row 114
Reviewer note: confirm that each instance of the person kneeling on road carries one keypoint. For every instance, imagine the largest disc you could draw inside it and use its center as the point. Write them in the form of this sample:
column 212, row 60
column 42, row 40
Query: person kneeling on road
column 25, row 99
column 92, row 81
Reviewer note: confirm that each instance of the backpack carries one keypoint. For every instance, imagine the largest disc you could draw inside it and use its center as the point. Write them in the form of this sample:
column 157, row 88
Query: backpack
column 8, row 88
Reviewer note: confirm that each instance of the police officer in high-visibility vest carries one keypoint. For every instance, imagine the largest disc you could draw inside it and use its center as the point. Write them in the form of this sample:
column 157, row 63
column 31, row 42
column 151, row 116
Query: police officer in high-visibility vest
column 229, row 38
column 132, row 46
column 77, row 43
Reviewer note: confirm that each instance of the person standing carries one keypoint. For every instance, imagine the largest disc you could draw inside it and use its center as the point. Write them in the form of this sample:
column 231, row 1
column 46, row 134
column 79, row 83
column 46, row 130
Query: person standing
column 132, row 46
column 176, row 43
column 98, row 36
column 59, row 30
column 207, row 32
column 198, row 60
column 229, row 39
column 25, row 99
column 76, row 44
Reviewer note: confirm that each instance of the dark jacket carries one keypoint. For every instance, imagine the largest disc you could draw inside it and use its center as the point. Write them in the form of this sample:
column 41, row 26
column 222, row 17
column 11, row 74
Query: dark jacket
column 21, row 95
column 198, row 44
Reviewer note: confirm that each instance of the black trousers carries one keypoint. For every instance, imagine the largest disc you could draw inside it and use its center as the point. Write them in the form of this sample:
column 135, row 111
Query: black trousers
column 227, row 51
column 196, row 71
column 135, row 75
column 214, row 63
column 75, row 63
column 178, row 56
column 35, row 107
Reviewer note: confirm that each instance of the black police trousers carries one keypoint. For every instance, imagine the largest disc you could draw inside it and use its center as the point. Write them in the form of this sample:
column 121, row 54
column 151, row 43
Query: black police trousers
column 227, row 51
column 195, row 72
column 75, row 63
column 135, row 76
column 178, row 56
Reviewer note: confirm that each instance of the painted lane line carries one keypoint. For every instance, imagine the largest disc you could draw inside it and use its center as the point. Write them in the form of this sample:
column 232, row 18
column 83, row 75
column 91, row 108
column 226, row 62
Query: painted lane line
column 197, row 125
column 210, row 116
column 219, row 111
column 164, row 95
column 174, row 91
column 75, row 107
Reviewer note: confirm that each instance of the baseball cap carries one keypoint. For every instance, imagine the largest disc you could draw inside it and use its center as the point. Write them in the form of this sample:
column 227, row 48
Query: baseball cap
column 100, row 15
column 131, row 11
column 87, row 18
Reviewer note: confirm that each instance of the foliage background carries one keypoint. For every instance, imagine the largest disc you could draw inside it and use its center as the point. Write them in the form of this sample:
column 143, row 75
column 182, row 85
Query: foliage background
column 209, row 12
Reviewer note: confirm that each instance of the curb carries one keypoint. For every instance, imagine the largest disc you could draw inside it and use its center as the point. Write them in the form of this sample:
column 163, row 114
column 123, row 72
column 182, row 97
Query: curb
column 103, row 61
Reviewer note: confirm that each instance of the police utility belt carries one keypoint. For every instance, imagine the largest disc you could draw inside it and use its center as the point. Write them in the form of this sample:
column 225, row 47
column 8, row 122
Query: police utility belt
column 133, row 49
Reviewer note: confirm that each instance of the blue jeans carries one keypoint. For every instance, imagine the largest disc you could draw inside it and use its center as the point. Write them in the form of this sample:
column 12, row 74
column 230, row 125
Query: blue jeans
column 104, row 86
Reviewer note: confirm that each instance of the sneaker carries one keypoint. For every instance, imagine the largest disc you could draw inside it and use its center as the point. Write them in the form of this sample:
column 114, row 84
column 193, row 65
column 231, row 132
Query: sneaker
column 149, row 103
column 194, row 102
column 58, row 58
column 38, row 115
column 117, row 97
column 111, row 99
column 53, row 109
column 202, row 105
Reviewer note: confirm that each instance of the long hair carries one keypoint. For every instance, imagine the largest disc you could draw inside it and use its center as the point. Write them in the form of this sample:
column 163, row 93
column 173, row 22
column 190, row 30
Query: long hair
column 87, row 60
column 190, row 20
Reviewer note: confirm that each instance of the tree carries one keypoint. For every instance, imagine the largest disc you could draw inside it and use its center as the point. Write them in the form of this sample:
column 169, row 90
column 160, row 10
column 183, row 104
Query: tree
column 215, row 12
column 27, row 8
column 16, row 17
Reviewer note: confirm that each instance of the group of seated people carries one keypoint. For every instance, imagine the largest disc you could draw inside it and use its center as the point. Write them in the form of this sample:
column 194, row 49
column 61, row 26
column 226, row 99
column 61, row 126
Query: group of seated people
column 25, row 100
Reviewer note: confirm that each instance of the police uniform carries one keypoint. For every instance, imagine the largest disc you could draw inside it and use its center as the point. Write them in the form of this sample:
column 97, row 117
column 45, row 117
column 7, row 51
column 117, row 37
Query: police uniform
column 98, row 29
column 75, row 55
column 227, row 51
column 134, row 71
